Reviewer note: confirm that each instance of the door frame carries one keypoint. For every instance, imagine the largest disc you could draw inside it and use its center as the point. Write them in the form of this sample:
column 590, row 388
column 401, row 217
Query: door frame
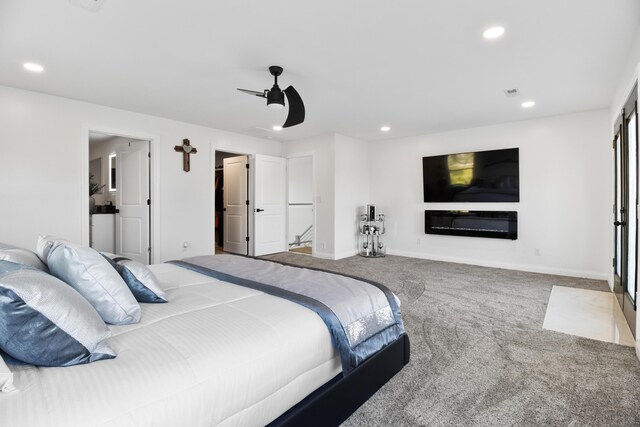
column 313, row 202
column 627, row 303
column 154, row 180
column 212, row 180
column 618, row 152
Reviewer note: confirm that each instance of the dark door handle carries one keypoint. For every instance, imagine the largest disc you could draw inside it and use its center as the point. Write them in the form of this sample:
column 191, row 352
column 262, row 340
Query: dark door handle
column 117, row 210
column 259, row 210
column 617, row 223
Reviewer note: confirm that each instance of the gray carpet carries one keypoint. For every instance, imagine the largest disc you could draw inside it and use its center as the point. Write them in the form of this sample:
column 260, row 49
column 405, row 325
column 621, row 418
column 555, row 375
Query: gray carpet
column 479, row 355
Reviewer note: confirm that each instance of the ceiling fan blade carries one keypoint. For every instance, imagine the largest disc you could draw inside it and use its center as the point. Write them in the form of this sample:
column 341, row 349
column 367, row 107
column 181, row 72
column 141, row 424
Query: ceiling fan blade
column 254, row 92
column 296, row 108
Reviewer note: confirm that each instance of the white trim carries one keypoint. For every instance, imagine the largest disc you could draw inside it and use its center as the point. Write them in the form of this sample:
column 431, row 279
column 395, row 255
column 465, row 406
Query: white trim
column 212, row 210
column 154, row 150
column 506, row 266
column 323, row 255
column 346, row 254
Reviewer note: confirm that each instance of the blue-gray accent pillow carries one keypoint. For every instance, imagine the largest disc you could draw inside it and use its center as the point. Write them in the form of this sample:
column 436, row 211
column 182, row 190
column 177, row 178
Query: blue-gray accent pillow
column 45, row 322
column 141, row 281
column 85, row 270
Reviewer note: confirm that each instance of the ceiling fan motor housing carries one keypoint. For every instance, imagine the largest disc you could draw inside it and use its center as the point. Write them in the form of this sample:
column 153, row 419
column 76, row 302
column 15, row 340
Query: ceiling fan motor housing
column 275, row 97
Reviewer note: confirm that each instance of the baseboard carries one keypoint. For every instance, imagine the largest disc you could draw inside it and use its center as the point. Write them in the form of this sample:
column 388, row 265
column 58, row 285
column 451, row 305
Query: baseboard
column 323, row 255
column 506, row 266
column 638, row 349
column 346, row 254
column 326, row 255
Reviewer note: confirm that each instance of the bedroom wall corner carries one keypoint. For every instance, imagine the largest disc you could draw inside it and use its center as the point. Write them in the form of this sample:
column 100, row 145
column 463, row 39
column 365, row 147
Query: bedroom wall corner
column 351, row 192
column 322, row 148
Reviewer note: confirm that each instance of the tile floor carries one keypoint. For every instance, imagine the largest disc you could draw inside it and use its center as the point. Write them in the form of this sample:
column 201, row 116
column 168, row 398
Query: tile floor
column 588, row 314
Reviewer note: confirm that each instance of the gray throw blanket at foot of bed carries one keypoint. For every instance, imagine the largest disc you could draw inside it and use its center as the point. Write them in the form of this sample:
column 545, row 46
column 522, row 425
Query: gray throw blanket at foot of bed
column 362, row 316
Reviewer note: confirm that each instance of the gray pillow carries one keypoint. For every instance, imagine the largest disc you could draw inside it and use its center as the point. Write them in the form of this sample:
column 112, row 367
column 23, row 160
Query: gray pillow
column 45, row 322
column 141, row 281
column 21, row 256
column 85, row 270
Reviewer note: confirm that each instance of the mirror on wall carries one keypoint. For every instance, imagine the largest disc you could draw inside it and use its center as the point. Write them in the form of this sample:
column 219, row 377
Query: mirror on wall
column 112, row 172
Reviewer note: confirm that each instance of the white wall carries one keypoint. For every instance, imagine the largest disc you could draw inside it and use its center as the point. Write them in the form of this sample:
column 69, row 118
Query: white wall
column 42, row 151
column 322, row 150
column 341, row 187
column 564, row 193
column 352, row 171
column 629, row 73
column 300, row 179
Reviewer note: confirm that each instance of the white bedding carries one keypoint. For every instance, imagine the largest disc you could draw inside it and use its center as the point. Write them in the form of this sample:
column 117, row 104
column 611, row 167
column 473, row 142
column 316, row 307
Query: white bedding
column 215, row 354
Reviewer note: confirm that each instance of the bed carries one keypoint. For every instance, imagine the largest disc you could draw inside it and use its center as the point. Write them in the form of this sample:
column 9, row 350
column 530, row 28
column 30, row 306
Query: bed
column 217, row 354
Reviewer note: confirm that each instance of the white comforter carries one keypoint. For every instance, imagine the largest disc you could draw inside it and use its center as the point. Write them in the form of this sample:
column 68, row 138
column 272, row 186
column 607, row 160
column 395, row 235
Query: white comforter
column 215, row 354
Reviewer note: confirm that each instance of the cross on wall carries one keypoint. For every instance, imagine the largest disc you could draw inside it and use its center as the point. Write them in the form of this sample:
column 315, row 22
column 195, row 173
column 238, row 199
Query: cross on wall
column 186, row 149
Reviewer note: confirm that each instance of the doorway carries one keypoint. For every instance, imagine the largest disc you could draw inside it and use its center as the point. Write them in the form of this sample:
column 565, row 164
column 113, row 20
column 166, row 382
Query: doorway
column 231, row 189
column 119, row 189
column 300, row 230
column 250, row 203
column 625, row 261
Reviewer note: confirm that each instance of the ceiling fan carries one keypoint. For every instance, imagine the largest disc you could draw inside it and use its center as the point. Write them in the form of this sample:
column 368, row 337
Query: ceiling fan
column 275, row 99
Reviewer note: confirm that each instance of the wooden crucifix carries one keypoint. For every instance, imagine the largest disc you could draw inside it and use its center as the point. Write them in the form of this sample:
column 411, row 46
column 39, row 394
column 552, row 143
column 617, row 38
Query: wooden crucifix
column 186, row 149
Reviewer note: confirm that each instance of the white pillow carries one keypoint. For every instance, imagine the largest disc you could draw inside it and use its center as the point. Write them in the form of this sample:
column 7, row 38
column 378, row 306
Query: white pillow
column 6, row 378
column 85, row 270
column 44, row 245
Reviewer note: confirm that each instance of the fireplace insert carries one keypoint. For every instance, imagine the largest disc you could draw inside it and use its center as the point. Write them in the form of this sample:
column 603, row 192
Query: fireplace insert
column 492, row 224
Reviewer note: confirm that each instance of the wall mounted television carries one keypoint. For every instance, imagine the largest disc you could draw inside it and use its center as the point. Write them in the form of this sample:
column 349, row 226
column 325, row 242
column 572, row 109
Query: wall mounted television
column 481, row 176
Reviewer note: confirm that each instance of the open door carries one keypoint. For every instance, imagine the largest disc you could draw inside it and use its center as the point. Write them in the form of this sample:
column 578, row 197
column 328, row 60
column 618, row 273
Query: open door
column 270, row 205
column 236, row 202
column 132, row 201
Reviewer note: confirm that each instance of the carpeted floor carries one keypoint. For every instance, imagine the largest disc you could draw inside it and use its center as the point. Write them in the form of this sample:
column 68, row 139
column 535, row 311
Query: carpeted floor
column 479, row 355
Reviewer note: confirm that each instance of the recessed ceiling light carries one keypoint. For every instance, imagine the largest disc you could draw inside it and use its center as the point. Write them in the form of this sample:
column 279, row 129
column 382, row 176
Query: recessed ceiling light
column 36, row 68
column 493, row 32
column 385, row 128
column 528, row 104
column 277, row 128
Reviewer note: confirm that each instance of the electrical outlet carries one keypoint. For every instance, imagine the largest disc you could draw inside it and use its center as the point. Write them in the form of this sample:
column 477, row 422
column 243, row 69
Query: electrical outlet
column 324, row 246
column 536, row 251
column 185, row 245
column 418, row 241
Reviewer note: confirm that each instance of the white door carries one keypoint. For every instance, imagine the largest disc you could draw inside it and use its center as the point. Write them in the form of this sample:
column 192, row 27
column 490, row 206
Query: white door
column 235, row 205
column 270, row 205
column 132, row 198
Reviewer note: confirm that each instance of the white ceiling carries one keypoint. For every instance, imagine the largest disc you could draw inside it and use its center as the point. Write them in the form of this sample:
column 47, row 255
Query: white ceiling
column 418, row 66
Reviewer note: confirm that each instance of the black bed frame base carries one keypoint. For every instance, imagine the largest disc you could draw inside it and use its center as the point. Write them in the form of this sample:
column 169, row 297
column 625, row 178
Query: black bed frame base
column 335, row 401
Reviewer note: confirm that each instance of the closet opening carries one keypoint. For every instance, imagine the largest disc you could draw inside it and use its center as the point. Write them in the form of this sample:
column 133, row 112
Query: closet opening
column 231, row 208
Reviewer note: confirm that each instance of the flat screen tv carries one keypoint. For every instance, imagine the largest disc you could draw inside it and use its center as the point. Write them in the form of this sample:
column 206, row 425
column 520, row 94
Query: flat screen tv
column 481, row 176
